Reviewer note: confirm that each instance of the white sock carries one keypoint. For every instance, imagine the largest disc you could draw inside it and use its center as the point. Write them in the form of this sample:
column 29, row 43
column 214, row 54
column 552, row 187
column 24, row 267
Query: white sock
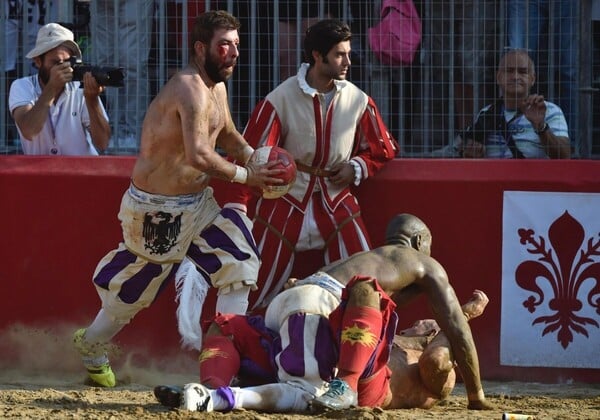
column 102, row 329
column 220, row 403
column 279, row 397
column 234, row 301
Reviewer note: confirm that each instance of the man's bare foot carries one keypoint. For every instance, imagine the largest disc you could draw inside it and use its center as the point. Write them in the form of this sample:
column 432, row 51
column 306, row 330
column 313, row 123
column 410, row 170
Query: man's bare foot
column 480, row 405
column 475, row 306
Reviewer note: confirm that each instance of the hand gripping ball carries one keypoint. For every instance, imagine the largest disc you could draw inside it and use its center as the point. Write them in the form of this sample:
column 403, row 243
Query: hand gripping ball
column 266, row 154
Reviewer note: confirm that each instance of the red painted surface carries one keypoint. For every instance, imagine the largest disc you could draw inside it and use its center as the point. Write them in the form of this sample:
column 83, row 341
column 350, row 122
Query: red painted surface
column 60, row 218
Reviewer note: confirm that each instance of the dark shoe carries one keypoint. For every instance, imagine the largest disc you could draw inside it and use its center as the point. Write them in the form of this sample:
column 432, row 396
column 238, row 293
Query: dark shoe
column 169, row 395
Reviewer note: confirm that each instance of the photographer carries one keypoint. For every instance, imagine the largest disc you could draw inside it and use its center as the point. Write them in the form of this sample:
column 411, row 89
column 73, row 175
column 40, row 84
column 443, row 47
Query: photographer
column 53, row 114
column 519, row 124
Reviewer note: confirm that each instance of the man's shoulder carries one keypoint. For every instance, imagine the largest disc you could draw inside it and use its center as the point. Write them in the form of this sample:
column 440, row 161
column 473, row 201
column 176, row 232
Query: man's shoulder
column 552, row 107
column 287, row 85
column 23, row 91
column 351, row 87
column 182, row 86
column 398, row 254
column 27, row 81
column 352, row 92
column 288, row 90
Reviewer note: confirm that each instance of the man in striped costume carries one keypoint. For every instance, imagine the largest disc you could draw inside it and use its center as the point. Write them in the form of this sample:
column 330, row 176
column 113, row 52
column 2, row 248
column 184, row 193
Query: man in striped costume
column 168, row 213
column 338, row 139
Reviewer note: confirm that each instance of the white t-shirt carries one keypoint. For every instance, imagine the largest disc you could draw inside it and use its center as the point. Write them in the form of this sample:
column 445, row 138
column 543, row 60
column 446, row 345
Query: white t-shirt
column 67, row 130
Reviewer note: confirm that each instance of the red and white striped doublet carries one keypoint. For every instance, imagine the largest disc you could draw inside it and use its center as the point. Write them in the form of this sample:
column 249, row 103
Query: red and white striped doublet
column 320, row 134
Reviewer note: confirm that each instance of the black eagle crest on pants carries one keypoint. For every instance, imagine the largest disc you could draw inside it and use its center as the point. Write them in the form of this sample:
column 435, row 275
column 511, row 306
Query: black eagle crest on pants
column 161, row 230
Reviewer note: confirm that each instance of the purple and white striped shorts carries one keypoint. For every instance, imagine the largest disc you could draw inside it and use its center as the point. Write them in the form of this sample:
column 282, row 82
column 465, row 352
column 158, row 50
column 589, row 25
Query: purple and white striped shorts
column 158, row 232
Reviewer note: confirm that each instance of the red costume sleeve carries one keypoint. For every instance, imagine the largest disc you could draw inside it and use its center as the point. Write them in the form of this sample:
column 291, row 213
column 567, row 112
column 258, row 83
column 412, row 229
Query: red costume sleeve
column 374, row 144
column 263, row 129
column 264, row 126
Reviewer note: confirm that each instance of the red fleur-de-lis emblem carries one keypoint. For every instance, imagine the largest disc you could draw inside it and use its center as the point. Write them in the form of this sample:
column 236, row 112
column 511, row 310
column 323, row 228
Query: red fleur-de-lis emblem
column 572, row 264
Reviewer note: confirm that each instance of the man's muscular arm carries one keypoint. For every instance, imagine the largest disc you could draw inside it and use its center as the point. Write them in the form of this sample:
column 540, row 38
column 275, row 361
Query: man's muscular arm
column 449, row 315
column 197, row 107
column 230, row 139
column 437, row 362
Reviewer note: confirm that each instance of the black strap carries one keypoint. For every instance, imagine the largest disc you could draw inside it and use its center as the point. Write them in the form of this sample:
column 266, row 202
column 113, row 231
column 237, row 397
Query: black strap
column 513, row 148
column 510, row 142
column 492, row 120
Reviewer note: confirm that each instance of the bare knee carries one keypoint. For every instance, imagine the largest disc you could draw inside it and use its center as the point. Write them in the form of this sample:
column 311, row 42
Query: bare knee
column 437, row 360
column 436, row 369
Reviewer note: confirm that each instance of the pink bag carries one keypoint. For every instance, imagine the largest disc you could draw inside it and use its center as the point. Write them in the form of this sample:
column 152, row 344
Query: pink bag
column 396, row 38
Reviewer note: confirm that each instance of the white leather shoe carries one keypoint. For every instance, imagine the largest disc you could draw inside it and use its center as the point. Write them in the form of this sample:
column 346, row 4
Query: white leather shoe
column 196, row 397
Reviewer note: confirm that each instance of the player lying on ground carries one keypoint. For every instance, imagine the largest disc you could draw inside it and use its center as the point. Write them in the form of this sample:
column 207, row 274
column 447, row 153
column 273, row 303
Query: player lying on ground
column 421, row 363
column 399, row 270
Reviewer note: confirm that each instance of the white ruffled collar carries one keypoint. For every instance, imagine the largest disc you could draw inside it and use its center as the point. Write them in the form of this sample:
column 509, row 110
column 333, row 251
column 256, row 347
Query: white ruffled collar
column 306, row 88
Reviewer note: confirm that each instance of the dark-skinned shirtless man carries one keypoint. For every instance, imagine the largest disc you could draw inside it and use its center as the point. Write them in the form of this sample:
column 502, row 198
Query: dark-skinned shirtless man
column 360, row 307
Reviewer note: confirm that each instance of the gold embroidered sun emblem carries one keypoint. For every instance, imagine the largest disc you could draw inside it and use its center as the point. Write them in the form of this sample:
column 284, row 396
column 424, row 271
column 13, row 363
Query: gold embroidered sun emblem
column 210, row 353
column 355, row 334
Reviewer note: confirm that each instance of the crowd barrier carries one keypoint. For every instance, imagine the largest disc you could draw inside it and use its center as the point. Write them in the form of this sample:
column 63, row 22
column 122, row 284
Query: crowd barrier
column 60, row 219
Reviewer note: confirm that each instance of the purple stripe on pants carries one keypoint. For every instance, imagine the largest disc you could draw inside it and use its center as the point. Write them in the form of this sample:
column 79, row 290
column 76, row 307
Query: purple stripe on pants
column 325, row 352
column 216, row 238
column 209, row 262
column 121, row 260
column 236, row 218
column 291, row 358
column 132, row 289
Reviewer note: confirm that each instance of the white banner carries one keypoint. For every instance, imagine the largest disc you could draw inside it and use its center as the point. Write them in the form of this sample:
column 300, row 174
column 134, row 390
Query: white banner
column 550, row 312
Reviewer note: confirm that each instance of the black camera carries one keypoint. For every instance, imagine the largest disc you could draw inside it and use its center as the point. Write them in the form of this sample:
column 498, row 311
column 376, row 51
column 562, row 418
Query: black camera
column 488, row 122
column 105, row 76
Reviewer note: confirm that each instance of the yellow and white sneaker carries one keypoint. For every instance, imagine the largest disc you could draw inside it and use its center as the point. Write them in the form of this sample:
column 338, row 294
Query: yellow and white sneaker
column 98, row 368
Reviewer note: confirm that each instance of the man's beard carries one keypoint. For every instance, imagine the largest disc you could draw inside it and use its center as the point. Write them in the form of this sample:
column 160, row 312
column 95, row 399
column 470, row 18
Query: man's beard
column 213, row 70
column 44, row 75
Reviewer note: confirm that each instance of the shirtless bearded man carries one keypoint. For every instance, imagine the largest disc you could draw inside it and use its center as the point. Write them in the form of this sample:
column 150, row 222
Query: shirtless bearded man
column 168, row 211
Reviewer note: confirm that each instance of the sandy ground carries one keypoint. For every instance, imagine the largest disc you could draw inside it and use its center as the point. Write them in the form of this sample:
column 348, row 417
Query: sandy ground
column 44, row 380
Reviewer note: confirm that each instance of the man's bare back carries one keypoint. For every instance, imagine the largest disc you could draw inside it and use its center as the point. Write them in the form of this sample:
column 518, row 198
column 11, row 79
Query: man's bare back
column 395, row 267
column 405, row 269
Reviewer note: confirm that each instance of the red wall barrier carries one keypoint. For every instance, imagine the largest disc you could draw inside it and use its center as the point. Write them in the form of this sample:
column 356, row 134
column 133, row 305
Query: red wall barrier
column 60, row 218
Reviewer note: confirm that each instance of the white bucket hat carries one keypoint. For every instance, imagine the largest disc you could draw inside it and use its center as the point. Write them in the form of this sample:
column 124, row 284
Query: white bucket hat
column 51, row 36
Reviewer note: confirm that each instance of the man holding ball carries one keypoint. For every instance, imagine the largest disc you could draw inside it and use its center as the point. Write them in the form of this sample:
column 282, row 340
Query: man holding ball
column 168, row 212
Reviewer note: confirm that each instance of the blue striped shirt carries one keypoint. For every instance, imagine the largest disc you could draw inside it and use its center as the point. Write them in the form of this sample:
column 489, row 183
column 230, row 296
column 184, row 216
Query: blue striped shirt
column 523, row 134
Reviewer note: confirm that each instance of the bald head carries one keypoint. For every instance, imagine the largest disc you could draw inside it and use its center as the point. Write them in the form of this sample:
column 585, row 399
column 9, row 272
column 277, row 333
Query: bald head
column 409, row 231
column 517, row 54
column 515, row 77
